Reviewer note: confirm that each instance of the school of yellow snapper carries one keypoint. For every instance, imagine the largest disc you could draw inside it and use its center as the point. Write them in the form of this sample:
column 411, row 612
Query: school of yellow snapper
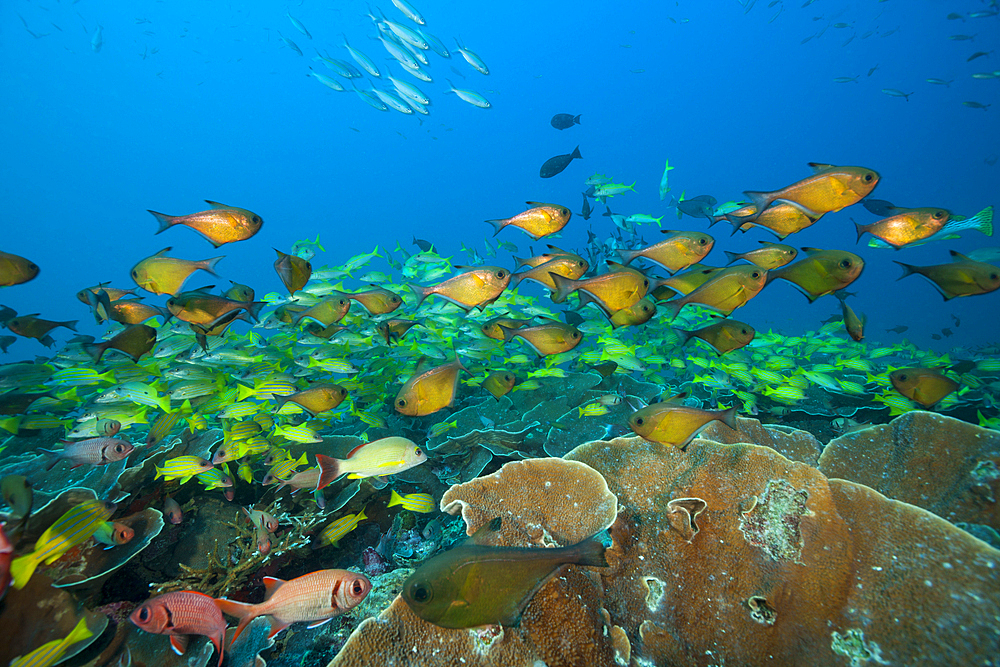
column 386, row 355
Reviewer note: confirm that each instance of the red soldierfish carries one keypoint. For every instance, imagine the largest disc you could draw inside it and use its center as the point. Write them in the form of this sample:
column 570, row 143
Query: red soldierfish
column 93, row 451
column 181, row 614
column 315, row 597
column 6, row 555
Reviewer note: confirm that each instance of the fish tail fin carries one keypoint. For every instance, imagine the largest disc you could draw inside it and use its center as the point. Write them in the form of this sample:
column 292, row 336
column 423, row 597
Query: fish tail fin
column 564, row 287
column 21, row 569
column 280, row 400
column 575, row 155
column 421, row 292
column 732, row 256
column 254, row 308
column 329, row 470
column 79, row 633
column 576, row 119
column 240, row 610
column 861, row 229
column 683, row 335
column 53, row 458
column 590, row 553
column 515, row 279
column 908, row 270
column 673, row 308
column 497, row 225
column 760, row 200
column 95, row 350
column 728, row 417
column 166, row 221
column 508, row 333
column 210, row 264
column 243, row 392
column 394, row 499
column 628, row 256
column 70, row 324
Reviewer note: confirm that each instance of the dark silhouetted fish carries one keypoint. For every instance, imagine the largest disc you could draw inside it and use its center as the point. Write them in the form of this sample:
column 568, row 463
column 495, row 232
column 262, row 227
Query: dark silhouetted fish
column 585, row 214
column 702, row 206
column 879, row 207
column 555, row 165
column 562, row 121
column 425, row 246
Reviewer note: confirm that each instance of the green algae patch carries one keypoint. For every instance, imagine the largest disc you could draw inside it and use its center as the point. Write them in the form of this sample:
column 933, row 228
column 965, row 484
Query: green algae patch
column 853, row 646
column 772, row 521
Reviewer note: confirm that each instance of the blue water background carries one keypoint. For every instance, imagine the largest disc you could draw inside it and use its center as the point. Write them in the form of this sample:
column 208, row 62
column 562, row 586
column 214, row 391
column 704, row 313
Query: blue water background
column 224, row 110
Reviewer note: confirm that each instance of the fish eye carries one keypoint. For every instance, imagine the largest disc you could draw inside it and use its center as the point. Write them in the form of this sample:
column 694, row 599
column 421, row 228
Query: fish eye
column 868, row 177
column 421, row 593
column 993, row 276
column 845, row 263
column 639, row 421
column 144, row 614
column 702, row 241
column 743, row 331
column 902, row 377
column 135, row 274
column 401, row 402
column 417, row 452
column 938, row 215
column 755, row 274
column 645, row 282
column 501, row 274
column 507, row 377
column 358, row 588
column 119, row 448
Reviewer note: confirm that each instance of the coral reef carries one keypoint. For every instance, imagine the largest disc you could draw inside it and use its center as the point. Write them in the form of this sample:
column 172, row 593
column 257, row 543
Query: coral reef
column 792, row 443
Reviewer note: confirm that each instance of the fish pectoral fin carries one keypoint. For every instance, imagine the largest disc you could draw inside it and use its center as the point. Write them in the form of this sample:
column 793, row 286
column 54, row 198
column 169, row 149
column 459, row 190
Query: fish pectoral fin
column 179, row 643
column 276, row 627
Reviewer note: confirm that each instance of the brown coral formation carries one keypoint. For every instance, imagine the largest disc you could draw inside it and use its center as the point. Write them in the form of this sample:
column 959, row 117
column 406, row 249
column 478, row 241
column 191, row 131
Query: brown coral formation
column 942, row 464
column 792, row 443
column 542, row 501
column 787, row 567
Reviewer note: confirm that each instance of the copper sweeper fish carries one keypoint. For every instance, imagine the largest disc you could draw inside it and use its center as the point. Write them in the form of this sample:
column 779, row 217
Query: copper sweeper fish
column 429, row 389
column 539, row 221
column 179, row 615
column 220, row 224
column 829, row 189
column 315, row 598
column 476, row 585
column 15, row 270
column 670, row 423
column 962, row 277
column 926, row 386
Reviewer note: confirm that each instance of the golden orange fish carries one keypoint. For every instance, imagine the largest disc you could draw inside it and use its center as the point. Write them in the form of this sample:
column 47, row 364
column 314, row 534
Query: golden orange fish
column 907, row 226
column 546, row 339
column 829, row 189
column 539, row 221
column 544, row 257
column 378, row 301
column 492, row 327
column 499, row 382
column 567, row 266
column 821, row 272
column 925, row 386
column 293, row 271
column 728, row 290
column 620, row 288
column 113, row 293
column 675, row 253
column 671, row 423
column 15, row 270
column 769, row 256
column 135, row 341
column 200, row 307
column 854, row 325
column 330, row 310
column 314, row 400
column 638, row 313
column 430, row 390
column 220, row 224
column 684, row 283
column 393, row 330
column 476, row 288
column 723, row 336
column 962, row 277
column 160, row 274
column 134, row 311
column 781, row 218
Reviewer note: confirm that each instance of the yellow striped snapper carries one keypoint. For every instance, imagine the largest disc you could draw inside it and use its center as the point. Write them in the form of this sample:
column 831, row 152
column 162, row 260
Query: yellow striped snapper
column 302, row 433
column 414, row 502
column 182, row 468
column 162, row 427
column 136, row 392
column 80, row 377
column 74, row 527
column 52, row 652
column 284, row 469
column 214, row 478
column 342, row 526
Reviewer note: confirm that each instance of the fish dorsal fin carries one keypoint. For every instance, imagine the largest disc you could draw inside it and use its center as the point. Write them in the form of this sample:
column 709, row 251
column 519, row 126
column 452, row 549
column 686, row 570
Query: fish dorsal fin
column 485, row 536
column 820, row 166
column 558, row 250
column 959, row 257
column 215, row 204
column 271, row 584
column 811, row 251
column 356, row 450
column 677, row 398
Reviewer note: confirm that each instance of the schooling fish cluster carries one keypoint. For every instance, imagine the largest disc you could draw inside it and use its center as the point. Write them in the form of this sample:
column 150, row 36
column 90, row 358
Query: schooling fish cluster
column 360, row 394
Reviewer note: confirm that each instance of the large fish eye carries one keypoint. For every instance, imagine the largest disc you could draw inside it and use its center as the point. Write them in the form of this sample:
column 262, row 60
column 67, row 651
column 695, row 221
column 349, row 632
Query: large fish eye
column 743, row 331
column 358, row 588
column 501, row 274
column 507, row 377
column 119, row 448
column 703, row 241
column 639, row 421
column 993, row 276
column 755, row 274
column 938, row 215
column 135, row 274
column 144, row 614
column 417, row 452
column 902, row 376
column 256, row 218
column 645, row 308
column 845, row 263
column 401, row 402
column 421, row 593
column 645, row 282
column 868, row 177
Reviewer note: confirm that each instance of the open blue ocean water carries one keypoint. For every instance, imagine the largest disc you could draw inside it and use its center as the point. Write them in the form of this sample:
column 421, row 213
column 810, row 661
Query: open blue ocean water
column 109, row 110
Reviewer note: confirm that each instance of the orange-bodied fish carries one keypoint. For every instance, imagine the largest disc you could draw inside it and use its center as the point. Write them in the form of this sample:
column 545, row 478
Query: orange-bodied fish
column 15, row 270
column 200, row 307
column 113, row 293
column 855, row 325
column 499, row 382
column 134, row 311
column 540, row 221
column 567, row 266
column 179, row 615
column 768, row 256
column 314, row 400
column 728, row 290
column 534, row 261
column 476, row 288
column 675, row 253
column 378, row 301
column 684, row 283
column 393, row 330
column 31, row 326
column 135, row 341
column 315, row 598
column 160, row 274
column 293, row 271
column 723, row 336
column 781, row 218
column 220, row 224
column 429, row 390
column 829, row 189
column 546, row 339
column 821, row 272
column 492, row 327
column 330, row 310
column 925, row 386
column 620, row 288
column 638, row 313
column 908, row 226
column 962, row 277
column 239, row 292
column 670, row 423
